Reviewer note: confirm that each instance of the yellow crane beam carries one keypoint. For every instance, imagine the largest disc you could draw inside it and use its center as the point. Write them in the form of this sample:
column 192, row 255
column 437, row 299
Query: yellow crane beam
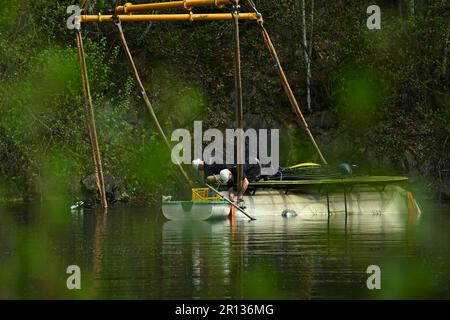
column 169, row 17
column 186, row 4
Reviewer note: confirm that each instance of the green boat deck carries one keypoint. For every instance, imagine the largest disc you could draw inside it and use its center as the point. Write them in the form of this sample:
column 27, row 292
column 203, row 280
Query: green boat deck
column 332, row 181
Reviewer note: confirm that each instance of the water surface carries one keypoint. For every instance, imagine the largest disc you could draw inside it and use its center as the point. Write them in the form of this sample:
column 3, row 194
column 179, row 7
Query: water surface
column 134, row 253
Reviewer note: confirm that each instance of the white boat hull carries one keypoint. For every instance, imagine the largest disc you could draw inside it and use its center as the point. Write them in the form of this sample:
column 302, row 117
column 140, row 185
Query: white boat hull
column 195, row 210
column 391, row 202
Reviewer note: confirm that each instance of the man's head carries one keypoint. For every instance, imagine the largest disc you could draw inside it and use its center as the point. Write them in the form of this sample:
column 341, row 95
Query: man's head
column 198, row 164
column 225, row 175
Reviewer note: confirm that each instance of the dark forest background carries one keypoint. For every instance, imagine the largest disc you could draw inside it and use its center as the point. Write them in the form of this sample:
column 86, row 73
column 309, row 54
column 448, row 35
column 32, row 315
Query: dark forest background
column 379, row 98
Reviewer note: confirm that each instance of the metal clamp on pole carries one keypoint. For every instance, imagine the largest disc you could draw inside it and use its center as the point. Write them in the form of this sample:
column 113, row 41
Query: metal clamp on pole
column 186, row 5
column 115, row 18
column 258, row 14
column 218, row 4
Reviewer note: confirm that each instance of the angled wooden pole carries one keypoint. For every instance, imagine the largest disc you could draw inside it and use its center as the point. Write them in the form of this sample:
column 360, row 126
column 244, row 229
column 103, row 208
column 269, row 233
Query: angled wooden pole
column 231, row 203
column 289, row 92
column 146, row 99
column 90, row 121
column 284, row 81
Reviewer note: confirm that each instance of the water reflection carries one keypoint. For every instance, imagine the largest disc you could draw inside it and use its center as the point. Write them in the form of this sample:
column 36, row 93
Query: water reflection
column 270, row 257
column 135, row 253
column 200, row 252
column 100, row 225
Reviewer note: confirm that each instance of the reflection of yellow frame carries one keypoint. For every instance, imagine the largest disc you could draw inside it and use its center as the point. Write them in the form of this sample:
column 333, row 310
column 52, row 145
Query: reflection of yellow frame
column 201, row 194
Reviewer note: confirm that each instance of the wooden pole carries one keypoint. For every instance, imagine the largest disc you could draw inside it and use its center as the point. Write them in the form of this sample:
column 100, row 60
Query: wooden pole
column 307, row 54
column 445, row 59
column 90, row 121
column 238, row 106
column 288, row 89
column 231, row 203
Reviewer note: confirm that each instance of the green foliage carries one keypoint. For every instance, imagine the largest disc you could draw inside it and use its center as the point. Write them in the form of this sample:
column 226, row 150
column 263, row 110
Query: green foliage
column 359, row 97
column 385, row 86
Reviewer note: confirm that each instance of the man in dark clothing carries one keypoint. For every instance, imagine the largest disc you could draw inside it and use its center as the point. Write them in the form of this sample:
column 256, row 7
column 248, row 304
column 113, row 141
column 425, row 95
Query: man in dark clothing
column 216, row 174
column 253, row 171
column 211, row 171
column 230, row 177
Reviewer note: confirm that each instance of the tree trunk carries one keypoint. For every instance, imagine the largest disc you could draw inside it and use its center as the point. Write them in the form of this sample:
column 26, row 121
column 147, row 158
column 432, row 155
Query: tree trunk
column 412, row 8
column 444, row 61
column 309, row 76
column 307, row 59
column 312, row 31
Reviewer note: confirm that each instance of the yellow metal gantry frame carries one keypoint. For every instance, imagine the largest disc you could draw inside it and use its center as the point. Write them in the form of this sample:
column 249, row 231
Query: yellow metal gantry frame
column 125, row 14
column 169, row 17
column 183, row 4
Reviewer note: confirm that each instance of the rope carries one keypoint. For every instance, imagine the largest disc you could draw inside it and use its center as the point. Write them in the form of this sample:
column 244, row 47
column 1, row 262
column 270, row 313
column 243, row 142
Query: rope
column 145, row 97
column 252, row 4
column 85, row 4
column 90, row 120
column 115, row 4
column 284, row 80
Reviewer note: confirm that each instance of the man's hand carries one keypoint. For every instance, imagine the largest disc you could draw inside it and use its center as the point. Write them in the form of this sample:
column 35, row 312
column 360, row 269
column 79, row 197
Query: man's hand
column 231, row 195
